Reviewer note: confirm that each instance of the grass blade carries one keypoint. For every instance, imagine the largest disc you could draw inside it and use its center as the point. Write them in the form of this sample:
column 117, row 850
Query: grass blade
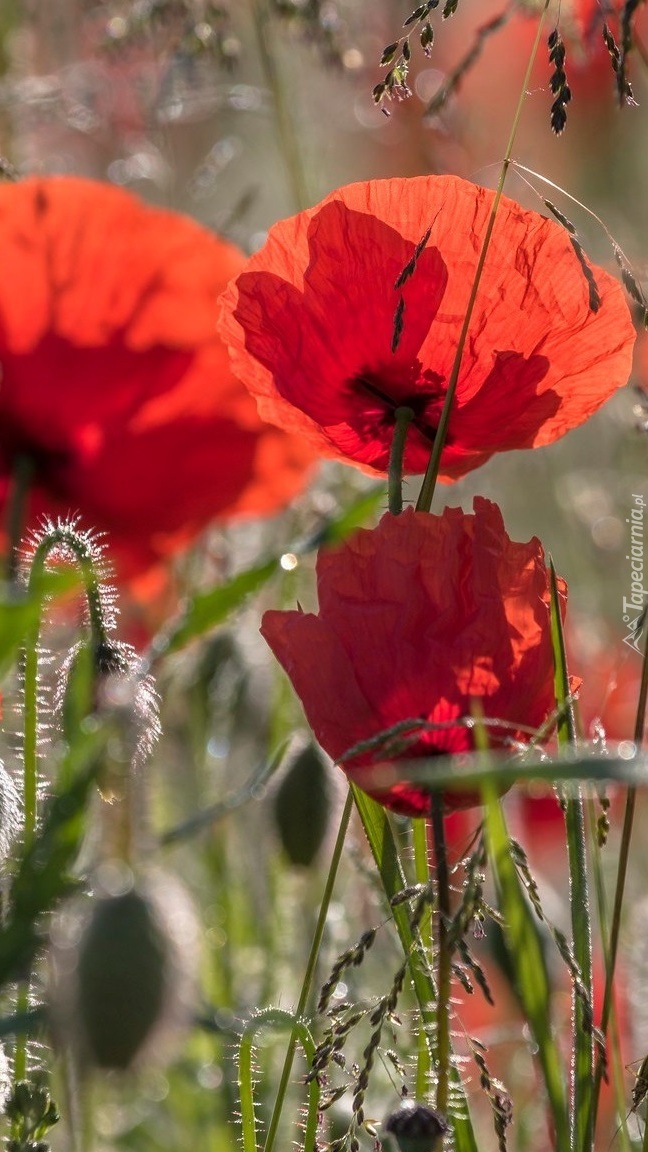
column 527, row 961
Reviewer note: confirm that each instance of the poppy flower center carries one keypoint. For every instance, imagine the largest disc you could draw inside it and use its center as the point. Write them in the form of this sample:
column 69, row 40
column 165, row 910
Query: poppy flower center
column 420, row 402
column 16, row 443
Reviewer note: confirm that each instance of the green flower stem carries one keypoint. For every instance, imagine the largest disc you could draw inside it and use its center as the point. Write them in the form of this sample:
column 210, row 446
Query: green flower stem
column 30, row 795
column 285, row 123
column 23, row 471
column 622, row 869
column 274, row 1017
column 524, row 948
column 57, row 536
column 390, row 869
column 424, row 502
column 422, row 871
column 582, row 1119
column 308, row 975
column 66, row 536
column 403, row 417
column 582, row 1065
column 602, row 913
column 443, row 1048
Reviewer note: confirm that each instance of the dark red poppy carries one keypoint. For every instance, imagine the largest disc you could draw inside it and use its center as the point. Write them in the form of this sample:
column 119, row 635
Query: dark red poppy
column 423, row 619
column 115, row 384
column 310, row 324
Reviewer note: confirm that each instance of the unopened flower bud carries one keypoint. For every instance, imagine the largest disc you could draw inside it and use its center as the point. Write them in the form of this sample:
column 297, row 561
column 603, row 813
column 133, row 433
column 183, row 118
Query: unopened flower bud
column 416, row 1128
column 302, row 806
column 113, row 669
column 123, row 974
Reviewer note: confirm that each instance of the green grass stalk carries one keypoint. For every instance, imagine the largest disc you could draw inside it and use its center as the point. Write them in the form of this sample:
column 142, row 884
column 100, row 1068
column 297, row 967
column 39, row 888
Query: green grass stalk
column 622, row 869
column 309, row 974
column 443, row 1046
column 420, row 830
column 426, row 494
column 285, row 124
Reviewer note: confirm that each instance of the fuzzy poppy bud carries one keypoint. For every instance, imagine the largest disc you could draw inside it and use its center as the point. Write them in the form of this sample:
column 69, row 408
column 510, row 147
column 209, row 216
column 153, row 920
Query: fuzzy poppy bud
column 302, row 807
column 416, row 1128
column 107, row 677
column 121, row 973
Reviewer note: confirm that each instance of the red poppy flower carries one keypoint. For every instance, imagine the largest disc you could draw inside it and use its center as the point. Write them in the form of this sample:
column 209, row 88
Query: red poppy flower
column 310, row 325
column 114, row 382
column 418, row 620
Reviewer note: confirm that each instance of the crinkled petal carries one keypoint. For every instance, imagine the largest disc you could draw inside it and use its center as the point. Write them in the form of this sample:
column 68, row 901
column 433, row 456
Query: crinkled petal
column 310, row 325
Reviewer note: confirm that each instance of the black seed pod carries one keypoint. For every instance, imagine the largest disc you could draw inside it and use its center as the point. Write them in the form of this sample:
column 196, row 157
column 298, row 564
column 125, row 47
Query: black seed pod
column 121, row 980
column 122, row 973
column 302, row 807
column 416, row 1128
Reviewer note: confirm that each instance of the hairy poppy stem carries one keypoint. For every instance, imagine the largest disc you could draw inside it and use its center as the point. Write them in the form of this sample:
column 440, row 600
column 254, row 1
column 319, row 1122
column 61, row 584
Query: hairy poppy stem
column 622, row 868
column 56, row 536
column 426, row 494
column 65, row 535
column 23, row 470
column 443, row 1051
column 403, row 417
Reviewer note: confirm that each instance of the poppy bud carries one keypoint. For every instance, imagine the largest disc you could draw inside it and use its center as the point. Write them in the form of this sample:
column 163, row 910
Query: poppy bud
column 107, row 676
column 416, row 1128
column 121, row 979
column 302, row 807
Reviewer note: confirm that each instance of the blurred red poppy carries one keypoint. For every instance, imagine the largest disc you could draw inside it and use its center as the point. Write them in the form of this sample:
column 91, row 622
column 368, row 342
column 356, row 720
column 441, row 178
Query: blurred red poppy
column 311, row 324
column 420, row 620
column 115, row 386
column 584, row 19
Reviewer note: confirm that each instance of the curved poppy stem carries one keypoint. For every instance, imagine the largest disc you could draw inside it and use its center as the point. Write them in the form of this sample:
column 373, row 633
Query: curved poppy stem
column 424, row 501
column 403, row 417
column 21, row 477
column 443, row 1050
column 66, row 536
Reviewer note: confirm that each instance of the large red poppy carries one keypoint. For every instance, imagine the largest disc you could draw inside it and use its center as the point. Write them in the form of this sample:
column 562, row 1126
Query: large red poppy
column 421, row 619
column 310, row 325
column 115, row 384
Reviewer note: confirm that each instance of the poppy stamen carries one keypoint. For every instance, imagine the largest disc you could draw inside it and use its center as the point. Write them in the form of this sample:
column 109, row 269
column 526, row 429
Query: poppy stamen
column 417, row 403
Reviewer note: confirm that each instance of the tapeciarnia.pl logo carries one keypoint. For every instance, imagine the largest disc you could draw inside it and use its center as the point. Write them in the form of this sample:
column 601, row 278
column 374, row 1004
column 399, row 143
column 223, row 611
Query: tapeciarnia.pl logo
column 634, row 605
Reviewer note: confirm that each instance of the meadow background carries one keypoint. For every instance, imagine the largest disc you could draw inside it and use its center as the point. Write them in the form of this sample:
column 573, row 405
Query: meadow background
column 238, row 115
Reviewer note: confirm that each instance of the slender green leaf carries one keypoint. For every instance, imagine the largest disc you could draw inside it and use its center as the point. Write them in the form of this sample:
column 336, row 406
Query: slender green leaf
column 20, row 612
column 468, row 772
column 383, row 847
column 582, row 1069
column 207, row 609
column 527, row 961
column 43, row 877
column 206, row 819
column 339, row 527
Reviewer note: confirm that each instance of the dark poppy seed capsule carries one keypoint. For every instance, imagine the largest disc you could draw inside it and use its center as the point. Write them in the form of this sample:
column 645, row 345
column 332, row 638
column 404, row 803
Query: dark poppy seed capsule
column 122, row 972
column 416, row 1128
column 303, row 806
